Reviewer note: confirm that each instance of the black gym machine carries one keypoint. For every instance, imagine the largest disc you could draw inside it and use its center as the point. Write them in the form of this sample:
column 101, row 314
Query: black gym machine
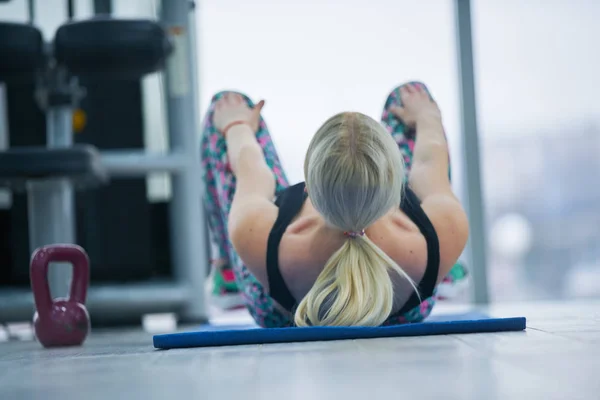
column 85, row 53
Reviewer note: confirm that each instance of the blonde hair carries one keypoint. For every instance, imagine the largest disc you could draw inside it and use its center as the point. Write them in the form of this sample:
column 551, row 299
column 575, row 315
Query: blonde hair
column 354, row 175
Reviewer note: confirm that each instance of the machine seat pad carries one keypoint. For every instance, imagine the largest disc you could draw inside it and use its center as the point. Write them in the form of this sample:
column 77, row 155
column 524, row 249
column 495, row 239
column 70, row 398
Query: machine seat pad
column 21, row 51
column 80, row 164
column 108, row 48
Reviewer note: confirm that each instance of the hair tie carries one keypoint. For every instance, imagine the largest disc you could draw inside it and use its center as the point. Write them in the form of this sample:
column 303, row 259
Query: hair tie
column 354, row 234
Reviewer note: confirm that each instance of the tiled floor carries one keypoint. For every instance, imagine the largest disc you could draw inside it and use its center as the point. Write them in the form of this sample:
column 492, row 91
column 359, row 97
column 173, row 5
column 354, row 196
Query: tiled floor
column 558, row 357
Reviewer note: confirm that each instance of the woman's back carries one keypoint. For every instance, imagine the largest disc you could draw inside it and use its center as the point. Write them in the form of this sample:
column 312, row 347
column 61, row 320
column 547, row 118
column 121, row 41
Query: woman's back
column 308, row 243
column 300, row 244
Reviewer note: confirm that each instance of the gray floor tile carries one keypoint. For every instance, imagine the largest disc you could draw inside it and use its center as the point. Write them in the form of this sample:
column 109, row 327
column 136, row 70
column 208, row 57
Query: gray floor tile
column 558, row 357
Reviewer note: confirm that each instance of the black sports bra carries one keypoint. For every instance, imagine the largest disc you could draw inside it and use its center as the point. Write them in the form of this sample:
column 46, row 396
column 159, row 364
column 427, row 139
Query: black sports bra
column 290, row 202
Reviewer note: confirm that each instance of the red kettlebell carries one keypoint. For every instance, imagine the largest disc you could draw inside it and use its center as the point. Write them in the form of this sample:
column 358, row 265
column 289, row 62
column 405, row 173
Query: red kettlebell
column 60, row 322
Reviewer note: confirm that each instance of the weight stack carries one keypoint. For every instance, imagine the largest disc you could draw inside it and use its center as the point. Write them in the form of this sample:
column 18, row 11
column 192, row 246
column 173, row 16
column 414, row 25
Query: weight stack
column 123, row 234
column 114, row 222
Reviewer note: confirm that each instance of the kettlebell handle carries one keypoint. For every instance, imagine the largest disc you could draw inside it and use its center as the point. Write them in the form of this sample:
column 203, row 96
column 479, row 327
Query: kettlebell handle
column 40, row 261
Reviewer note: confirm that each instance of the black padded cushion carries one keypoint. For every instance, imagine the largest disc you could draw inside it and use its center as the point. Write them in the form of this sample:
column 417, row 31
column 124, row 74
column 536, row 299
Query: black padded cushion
column 111, row 49
column 21, row 51
column 81, row 164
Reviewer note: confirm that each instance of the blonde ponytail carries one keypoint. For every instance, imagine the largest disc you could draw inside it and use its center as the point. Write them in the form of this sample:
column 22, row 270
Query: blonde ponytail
column 354, row 288
column 354, row 175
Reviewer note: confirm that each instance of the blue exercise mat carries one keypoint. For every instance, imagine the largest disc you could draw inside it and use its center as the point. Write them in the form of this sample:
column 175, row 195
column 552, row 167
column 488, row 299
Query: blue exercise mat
column 231, row 335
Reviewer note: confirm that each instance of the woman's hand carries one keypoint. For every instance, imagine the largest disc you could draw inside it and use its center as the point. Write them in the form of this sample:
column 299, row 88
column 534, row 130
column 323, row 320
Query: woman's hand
column 232, row 107
column 416, row 104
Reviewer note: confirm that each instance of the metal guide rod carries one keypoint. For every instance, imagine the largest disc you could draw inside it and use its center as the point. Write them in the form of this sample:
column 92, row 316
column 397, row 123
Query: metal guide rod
column 190, row 255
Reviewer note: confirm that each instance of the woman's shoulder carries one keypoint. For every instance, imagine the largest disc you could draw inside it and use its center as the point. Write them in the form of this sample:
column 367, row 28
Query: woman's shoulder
column 400, row 238
column 307, row 245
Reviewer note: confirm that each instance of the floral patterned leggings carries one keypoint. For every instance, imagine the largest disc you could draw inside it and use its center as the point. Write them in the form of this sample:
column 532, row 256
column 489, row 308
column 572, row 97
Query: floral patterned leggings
column 219, row 189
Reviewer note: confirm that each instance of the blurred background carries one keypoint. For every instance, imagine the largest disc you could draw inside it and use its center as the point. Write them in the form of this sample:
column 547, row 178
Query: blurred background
column 539, row 122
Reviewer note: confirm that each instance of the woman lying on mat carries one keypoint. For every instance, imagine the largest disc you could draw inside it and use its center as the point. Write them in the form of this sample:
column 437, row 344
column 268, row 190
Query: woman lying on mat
column 365, row 241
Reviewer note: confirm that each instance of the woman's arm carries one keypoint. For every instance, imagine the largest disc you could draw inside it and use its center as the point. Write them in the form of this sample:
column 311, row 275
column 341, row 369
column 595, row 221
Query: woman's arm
column 252, row 212
column 247, row 162
column 429, row 175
